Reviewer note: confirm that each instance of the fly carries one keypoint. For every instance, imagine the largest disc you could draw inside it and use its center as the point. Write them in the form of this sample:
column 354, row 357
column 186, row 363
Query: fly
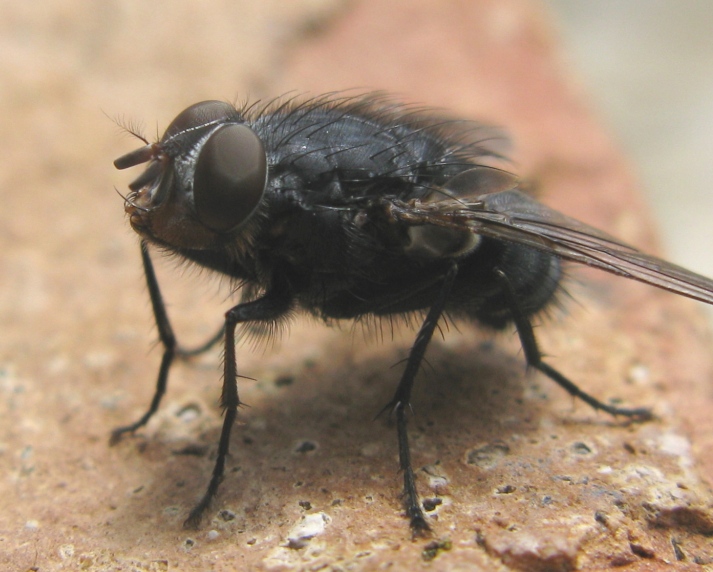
column 346, row 207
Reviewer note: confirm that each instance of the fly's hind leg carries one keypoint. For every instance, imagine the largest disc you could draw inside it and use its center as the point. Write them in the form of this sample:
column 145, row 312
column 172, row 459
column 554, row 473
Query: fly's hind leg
column 402, row 399
column 534, row 358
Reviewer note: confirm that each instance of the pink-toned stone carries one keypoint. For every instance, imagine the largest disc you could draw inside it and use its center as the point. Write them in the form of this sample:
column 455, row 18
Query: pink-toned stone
column 526, row 479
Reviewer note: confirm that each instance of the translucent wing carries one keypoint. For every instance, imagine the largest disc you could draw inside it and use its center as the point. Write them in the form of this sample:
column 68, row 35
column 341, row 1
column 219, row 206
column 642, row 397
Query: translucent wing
column 487, row 202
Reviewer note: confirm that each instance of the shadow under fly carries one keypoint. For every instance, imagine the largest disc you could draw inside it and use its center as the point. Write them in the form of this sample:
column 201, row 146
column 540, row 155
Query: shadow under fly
column 355, row 207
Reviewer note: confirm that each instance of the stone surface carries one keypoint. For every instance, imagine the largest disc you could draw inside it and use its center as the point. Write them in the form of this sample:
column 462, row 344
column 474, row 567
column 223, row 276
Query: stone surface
column 515, row 476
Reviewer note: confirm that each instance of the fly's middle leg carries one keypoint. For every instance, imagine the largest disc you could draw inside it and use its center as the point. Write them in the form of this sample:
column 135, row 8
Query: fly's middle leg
column 402, row 400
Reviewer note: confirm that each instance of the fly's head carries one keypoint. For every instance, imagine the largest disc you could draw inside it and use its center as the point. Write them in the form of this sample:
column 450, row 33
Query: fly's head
column 204, row 182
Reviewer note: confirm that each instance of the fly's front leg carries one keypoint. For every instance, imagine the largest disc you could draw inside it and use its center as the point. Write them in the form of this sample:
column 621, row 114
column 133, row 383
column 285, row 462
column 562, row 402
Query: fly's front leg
column 534, row 357
column 168, row 341
column 402, row 400
column 270, row 307
column 171, row 349
column 187, row 353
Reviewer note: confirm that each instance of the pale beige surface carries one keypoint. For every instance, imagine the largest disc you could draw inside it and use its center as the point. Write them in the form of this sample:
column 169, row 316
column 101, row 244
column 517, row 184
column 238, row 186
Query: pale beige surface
column 527, row 480
column 648, row 72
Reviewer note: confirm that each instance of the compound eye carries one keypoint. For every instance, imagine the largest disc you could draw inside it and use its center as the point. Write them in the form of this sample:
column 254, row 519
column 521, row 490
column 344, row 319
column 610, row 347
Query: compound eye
column 197, row 115
column 230, row 177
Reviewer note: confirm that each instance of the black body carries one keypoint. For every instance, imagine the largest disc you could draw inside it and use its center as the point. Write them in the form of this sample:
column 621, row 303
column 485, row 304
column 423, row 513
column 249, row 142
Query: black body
column 322, row 228
column 354, row 207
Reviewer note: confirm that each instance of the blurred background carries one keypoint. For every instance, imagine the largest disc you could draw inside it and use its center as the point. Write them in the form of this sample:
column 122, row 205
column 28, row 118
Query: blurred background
column 648, row 68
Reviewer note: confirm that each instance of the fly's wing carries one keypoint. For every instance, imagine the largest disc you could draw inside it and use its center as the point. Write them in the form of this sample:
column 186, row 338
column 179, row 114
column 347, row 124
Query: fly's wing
column 487, row 201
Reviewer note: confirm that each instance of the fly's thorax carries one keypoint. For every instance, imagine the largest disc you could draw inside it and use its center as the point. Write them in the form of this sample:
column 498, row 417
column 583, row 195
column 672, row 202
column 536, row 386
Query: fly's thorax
column 204, row 183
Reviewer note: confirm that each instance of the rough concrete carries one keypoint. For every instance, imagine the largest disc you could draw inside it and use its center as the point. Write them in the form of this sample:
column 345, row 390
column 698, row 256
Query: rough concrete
column 516, row 475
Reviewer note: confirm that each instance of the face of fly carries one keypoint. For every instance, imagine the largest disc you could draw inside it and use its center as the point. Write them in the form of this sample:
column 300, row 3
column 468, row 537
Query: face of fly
column 204, row 181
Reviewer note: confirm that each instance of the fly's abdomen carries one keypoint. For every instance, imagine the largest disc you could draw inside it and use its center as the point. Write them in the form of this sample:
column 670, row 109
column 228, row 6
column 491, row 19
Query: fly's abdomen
column 533, row 275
